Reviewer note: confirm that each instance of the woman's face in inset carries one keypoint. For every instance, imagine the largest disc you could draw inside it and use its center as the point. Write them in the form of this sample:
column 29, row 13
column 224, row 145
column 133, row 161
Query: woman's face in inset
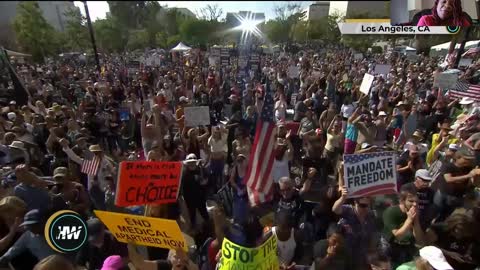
column 445, row 9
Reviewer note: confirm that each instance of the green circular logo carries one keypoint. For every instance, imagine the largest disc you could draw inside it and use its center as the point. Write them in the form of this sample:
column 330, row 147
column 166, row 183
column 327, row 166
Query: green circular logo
column 453, row 29
column 66, row 232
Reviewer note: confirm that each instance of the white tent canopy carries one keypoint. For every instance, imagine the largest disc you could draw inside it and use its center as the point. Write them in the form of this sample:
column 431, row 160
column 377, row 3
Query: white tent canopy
column 446, row 46
column 180, row 48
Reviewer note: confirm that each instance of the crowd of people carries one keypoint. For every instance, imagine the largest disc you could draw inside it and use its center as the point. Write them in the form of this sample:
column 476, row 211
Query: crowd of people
column 75, row 113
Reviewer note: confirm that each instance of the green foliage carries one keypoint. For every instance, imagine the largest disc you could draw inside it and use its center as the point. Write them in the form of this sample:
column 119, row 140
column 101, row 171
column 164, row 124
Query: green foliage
column 110, row 35
column 199, row 32
column 377, row 49
column 358, row 42
column 173, row 40
column 77, row 37
column 138, row 40
column 33, row 32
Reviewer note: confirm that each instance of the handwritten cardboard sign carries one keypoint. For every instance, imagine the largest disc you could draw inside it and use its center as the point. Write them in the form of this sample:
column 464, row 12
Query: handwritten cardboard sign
column 238, row 257
column 370, row 174
column 197, row 116
column 147, row 182
column 144, row 231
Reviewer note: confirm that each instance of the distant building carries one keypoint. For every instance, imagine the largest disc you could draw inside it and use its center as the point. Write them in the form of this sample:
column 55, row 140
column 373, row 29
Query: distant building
column 318, row 11
column 53, row 12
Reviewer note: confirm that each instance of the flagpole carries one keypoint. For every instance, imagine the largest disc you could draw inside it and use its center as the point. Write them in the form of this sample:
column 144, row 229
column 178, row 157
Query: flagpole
column 92, row 36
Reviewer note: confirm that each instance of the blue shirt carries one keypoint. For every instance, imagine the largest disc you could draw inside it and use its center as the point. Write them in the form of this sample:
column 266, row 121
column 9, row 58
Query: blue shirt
column 35, row 198
column 351, row 132
column 34, row 243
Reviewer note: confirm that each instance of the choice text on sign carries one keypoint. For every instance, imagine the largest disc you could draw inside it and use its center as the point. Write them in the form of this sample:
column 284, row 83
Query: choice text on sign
column 148, row 182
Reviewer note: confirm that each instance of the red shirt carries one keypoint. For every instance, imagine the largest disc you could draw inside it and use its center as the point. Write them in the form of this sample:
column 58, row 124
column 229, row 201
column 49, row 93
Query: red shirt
column 429, row 20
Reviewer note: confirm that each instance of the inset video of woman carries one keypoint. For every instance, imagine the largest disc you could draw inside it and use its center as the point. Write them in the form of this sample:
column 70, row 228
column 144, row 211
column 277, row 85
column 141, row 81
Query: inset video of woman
column 446, row 13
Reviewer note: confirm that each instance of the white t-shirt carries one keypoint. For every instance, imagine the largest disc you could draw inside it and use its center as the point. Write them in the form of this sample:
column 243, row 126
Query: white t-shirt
column 347, row 110
column 218, row 145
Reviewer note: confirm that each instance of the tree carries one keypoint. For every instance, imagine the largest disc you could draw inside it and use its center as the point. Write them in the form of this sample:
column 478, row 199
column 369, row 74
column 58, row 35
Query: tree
column 33, row 32
column 110, row 35
column 200, row 32
column 286, row 20
column 76, row 31
column 211, row 13
column 275, row 31
column 138, row 40
column 283, row 12
column 128, row 13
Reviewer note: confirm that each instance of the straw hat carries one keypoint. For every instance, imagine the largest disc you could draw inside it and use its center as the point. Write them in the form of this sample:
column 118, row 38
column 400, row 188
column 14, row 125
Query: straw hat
column 95, row 148
column 18, row 144
column 13, row 204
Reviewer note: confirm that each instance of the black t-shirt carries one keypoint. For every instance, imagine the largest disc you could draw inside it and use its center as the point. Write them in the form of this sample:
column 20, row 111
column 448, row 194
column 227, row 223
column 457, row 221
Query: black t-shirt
column 96, row 256
column 295, row 206
column 449, row 243
column 457, row 189
column 406, row 176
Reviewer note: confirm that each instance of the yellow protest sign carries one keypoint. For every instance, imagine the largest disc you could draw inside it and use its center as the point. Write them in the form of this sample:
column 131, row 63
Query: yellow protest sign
column 145, row 231
column 263, row 257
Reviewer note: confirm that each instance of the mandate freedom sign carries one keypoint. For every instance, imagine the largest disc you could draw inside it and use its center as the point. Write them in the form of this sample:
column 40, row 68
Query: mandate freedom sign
column 147, row 182
column 263, row 257
column 197, row 116
column 145, row 231
column 370, row 174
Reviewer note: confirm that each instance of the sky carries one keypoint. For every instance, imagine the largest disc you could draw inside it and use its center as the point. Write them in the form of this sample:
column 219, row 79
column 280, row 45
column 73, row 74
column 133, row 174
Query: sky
column 98, row 9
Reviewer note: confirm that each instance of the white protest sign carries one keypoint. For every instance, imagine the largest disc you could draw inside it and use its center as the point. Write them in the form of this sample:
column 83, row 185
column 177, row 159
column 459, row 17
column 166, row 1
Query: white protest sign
column 366, row 83
column 293, row 72
column 465, row 62
column 382, row 69
column 445, row 80
column 370, row 174
column 197, row 116
column 358, row 56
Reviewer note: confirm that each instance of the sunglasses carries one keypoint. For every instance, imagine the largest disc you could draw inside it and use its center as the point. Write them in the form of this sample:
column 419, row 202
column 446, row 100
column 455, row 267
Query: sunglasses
column 363, row 205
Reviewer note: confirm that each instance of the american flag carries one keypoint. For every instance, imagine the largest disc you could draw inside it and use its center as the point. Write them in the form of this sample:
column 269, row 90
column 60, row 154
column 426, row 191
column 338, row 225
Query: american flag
column 258, row 179
column 464, row 89
column 90, row 167
column 471, row 52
